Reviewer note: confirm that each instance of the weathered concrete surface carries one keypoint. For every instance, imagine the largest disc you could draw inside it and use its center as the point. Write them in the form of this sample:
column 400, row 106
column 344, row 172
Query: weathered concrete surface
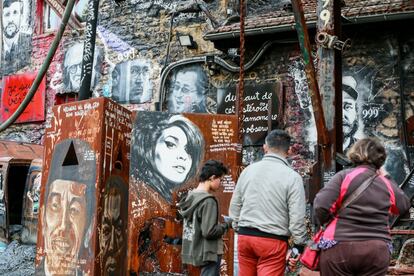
column 17, row 259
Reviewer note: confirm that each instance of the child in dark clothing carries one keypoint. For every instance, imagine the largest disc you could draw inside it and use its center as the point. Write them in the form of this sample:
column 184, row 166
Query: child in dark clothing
column 202, row 233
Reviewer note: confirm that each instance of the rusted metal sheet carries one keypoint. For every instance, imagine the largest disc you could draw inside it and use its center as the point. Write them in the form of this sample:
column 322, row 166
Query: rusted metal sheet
column 156, row 185
column 31, row 198
column 18, row 150
column 84, row 179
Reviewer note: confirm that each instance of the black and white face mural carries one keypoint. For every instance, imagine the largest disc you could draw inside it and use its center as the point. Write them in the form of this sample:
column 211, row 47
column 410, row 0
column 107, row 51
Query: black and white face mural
column 349, row 110
column 131, row 82
column 371, row 87
column 187, row 90
column 17, row 35
column 167, row 150
column 72, row 67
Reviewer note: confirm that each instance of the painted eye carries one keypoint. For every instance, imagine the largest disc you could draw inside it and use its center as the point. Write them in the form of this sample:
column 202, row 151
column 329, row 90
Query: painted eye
column 74, row 211
column 55, row 206
column 170, row 145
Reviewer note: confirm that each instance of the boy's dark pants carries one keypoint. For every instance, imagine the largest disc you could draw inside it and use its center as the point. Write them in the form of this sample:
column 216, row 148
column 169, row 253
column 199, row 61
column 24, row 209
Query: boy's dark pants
column 212, row 268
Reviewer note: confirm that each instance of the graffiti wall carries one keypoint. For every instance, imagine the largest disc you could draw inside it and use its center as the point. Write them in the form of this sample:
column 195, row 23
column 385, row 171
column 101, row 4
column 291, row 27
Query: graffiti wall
column 83, row 183
column 17, row 22
column 261, row 112
column 372, row 100
column 167, row 151
column 15, row 89
column 375, row 75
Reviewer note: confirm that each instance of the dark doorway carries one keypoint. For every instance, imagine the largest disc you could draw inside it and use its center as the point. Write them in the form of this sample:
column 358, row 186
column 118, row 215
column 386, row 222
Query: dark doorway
column 16, row 182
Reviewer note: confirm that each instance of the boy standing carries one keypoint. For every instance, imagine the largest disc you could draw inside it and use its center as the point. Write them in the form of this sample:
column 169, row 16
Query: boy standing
column 202, row 233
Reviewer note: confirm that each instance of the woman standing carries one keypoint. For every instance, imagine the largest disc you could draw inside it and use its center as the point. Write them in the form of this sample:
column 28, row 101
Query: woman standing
column 357, row 241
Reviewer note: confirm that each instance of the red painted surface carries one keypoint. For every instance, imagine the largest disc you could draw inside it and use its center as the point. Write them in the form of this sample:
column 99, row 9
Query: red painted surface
column 15, row 89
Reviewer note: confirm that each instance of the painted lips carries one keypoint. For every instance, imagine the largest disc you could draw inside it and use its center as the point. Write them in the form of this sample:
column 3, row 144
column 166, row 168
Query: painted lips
column 61, row 245
column 180, row 169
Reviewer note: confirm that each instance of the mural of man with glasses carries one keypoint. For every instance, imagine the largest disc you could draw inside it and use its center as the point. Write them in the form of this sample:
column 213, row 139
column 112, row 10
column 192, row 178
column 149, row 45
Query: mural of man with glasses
column 187, row 91
column 72, row 67
column 131, row 81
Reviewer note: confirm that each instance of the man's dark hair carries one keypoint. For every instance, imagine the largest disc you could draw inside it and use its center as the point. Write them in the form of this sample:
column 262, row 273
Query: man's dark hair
column 7, row 3
column 210, row 168
column 278, row 139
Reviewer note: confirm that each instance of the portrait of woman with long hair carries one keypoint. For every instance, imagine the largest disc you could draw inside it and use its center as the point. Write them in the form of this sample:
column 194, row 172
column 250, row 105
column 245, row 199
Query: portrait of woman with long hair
column 168, row 150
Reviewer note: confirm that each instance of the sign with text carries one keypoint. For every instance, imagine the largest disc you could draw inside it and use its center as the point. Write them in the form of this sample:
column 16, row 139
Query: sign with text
column 260, row 109
column 15, row 89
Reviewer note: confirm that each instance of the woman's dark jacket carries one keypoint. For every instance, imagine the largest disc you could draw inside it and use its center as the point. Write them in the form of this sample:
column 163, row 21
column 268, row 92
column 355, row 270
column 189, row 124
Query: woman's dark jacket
column 367, row 217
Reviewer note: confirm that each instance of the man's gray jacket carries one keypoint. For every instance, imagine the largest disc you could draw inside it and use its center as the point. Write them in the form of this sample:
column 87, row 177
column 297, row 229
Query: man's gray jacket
column 270, row 197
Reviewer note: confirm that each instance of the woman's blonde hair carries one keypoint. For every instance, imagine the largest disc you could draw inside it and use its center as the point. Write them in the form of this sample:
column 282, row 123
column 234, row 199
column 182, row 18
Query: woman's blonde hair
column 367, row 151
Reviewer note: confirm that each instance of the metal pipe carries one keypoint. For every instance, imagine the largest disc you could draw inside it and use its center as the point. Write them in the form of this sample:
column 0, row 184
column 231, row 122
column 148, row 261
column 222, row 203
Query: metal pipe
column 43, row 68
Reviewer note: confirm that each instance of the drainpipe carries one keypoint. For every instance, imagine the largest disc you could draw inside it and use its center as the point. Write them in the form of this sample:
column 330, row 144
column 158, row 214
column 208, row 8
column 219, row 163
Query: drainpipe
column 43, row 68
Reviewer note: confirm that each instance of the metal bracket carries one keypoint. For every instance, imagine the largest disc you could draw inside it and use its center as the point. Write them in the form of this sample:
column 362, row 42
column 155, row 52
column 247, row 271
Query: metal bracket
column 332, row 42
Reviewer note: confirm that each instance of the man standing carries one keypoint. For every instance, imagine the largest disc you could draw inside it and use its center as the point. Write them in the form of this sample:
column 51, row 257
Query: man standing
column 268, row 206
column 16, row 45
column 349, row 110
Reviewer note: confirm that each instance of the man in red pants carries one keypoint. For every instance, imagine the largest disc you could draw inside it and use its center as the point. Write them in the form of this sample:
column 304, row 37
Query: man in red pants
column 267, row 207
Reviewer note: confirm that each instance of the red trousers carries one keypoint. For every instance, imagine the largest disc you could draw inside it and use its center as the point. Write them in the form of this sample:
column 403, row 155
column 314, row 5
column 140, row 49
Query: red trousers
column 261, row 256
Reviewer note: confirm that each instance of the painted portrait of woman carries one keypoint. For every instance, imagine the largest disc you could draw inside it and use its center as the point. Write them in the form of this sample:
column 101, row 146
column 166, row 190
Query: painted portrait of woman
column 168, row 150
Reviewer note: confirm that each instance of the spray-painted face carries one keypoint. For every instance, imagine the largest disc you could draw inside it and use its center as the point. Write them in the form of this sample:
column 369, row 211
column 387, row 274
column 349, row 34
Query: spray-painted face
column 349, row 114
column 64, row 224
column 172, row 160
column 184, row 93
column 112, row 237
column 11, row 19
